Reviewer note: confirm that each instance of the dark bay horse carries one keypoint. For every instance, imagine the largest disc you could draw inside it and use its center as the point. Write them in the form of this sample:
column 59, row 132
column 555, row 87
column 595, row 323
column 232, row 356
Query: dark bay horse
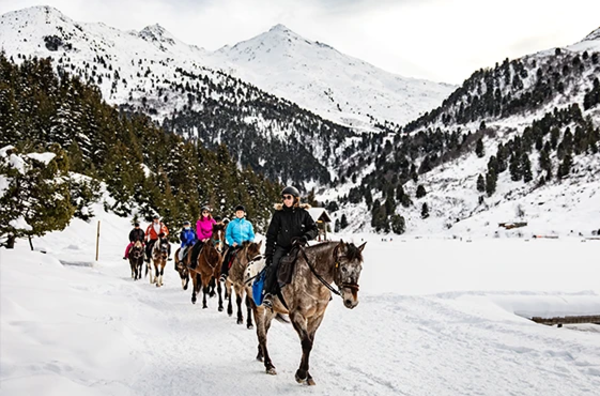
column 160, row 253
column 181, row 267
column 136, row 260
column 207, row 269
column 248, row 252
column 307, row 297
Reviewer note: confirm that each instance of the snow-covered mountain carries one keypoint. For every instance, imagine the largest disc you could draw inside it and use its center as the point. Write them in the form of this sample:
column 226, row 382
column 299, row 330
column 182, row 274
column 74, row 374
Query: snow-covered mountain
column 334, row 85
column 154, row 72
column 311, row 74
column 538, row 121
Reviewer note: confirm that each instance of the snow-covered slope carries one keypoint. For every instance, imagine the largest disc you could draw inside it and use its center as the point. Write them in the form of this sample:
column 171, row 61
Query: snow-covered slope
column 77, row 326
column 311, row 74
column 336, row 86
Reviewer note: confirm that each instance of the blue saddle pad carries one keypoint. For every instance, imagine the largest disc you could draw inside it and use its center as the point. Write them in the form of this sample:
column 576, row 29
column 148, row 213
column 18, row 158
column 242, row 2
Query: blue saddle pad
column 257, row 287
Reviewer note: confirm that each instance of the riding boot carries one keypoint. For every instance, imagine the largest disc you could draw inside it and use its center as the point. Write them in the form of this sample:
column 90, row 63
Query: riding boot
column 169, row 258
column 225, row 265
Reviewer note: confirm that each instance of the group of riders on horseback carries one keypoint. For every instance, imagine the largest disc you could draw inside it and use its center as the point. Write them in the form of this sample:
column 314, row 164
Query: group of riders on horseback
column 303, row 289
column 291, row 225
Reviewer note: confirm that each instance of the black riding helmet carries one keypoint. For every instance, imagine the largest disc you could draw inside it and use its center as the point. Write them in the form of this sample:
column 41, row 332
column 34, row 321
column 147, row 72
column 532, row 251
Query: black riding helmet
column 291, row 190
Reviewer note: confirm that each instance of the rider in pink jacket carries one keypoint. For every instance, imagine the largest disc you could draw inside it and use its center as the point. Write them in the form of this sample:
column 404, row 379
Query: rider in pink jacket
column 204, row 230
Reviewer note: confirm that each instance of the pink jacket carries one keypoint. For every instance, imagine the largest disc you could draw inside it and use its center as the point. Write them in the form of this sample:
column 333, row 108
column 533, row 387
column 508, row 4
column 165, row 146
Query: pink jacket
column 204, row 228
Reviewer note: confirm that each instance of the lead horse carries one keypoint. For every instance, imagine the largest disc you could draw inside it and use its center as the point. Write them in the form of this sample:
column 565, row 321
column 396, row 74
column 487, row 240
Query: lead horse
column 136, row 260
column 308, row 295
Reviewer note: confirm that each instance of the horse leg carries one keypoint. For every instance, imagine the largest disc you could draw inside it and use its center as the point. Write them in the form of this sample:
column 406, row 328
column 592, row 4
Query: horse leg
column 249, row 304
column 300, row 325
column 162, row 273
column 205, row 290
column 313, row 325
column 219, row 292
column 228, row 294
column 186, row 280
column 238, row 302
column 194, row 287
column 263, row 323
column 157, row 275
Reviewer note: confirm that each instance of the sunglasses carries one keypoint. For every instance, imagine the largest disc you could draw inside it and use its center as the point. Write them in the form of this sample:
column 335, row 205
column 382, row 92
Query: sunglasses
column 205, row 212
column 286, row 197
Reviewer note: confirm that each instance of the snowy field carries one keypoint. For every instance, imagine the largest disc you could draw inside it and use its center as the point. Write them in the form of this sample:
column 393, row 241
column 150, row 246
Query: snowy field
column 436, row 317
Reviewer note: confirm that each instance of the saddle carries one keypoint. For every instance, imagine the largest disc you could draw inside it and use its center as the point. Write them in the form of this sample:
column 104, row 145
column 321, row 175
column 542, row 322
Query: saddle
column 287, row 266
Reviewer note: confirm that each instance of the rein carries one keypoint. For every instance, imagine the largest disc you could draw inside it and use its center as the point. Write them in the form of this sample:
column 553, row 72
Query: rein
column 319, row 277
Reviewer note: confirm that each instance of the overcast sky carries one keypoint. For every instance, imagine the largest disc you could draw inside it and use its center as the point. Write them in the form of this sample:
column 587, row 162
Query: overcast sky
column 440, row 40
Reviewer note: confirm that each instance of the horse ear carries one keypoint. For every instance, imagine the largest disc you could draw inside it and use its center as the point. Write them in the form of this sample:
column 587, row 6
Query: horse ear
column 361, row 247
column 260, row 244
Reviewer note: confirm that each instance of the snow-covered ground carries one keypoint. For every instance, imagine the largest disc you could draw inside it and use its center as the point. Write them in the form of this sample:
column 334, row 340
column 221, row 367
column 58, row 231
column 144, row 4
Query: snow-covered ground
column 443, row 317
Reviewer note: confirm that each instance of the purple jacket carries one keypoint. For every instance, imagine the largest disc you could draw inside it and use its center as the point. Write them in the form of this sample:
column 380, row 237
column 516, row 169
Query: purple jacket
column 204, row 228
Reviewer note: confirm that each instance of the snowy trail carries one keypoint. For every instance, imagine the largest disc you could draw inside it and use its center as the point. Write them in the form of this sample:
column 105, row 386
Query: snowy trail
column 389, row 345
column 432, row 320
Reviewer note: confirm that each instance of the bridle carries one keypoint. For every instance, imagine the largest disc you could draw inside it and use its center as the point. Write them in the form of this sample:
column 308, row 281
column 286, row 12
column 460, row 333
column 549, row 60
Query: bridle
column 345, row 285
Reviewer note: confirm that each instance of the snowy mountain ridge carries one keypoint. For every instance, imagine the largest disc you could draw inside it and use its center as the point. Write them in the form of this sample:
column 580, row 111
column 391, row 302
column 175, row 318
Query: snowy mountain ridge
column 313, row 75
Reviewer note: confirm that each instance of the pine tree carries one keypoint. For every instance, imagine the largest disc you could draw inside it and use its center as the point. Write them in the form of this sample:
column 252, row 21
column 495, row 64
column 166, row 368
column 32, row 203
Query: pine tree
column 480, row 183
column 479, row 149
column 490, row 182
column 526, row 168
column 424, row 211
column 398, row 224
column 421, row 192
column 344, row 222
column 337, row 225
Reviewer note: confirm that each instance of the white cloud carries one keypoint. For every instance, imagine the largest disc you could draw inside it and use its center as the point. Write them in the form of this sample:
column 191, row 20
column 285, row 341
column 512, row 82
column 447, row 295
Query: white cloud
column 434, row 39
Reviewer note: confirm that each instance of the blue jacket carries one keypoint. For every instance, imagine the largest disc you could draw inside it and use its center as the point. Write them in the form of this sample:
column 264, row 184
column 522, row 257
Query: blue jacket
column 187, row 237
column 239, row 230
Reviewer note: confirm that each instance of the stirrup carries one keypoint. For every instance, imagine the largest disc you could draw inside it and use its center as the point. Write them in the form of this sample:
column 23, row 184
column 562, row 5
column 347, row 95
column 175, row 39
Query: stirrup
column 267, row 301
column 223, row 278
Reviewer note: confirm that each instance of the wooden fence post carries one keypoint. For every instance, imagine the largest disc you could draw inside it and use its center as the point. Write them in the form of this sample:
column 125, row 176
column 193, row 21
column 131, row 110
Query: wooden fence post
column 98, row 241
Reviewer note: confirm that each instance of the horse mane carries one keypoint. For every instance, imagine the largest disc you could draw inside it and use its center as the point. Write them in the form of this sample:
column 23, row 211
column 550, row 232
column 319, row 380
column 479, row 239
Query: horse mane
column 353, row 252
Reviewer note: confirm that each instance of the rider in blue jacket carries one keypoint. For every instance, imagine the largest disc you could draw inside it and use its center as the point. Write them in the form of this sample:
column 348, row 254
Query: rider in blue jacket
column 187, row 237
column 239, row 230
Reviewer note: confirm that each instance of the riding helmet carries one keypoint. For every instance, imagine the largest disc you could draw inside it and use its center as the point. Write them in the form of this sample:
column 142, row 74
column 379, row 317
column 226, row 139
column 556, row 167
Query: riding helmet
column 205, row 208
column 155, row 217
column 291, row 190
column 186, row 223
column 217, row 218
column 136, row 224
column 240, row 207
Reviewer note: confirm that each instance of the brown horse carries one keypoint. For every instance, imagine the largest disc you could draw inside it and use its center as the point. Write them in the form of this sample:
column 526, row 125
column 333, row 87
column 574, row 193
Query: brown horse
column 308, row 296
column 160, row 253
column 207, row 270
column 248, row 252
column 136, row 260
column 181, row 267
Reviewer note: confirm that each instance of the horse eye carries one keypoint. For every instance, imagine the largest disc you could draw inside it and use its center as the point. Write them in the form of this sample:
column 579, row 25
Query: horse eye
column 344, row 269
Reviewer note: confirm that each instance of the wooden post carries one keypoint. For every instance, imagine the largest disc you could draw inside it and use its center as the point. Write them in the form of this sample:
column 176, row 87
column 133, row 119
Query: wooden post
column 98, row 241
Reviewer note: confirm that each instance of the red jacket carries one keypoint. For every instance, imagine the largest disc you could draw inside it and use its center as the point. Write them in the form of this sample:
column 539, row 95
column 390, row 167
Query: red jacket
column 151, row 232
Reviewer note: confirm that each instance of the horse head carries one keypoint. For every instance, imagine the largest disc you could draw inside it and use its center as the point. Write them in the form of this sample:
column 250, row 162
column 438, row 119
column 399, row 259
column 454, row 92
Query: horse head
column 137, row 250
column 161, row 248
column 218, row 237
column 251, row 250
column 348, row 266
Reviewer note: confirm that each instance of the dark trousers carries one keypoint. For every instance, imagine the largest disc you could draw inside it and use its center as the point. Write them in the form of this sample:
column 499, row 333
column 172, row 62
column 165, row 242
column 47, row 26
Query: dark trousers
column 271, row 284
column 195, row 253
column 225, row 266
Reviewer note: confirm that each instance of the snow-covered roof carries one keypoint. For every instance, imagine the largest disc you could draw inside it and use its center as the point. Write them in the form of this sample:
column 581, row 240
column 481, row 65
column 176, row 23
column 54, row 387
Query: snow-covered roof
column 319, row 214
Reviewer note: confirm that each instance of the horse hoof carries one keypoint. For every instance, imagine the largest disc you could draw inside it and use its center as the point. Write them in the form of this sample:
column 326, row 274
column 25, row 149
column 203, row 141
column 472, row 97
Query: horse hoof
column 240, row 321
column 250, row 327
column 204, row 306
column 310, row 382
column 301, row 376
column 272, row 371
column 220, row 309
column 259, row 358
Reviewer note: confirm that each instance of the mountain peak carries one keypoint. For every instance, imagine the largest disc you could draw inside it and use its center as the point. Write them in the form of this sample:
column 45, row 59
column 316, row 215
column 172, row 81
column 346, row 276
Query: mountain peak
column 157, row 34
column 283, row 30
column 595, row 35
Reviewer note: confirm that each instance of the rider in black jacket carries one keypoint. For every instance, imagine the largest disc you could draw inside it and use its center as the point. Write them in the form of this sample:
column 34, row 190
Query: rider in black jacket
column 291, row 224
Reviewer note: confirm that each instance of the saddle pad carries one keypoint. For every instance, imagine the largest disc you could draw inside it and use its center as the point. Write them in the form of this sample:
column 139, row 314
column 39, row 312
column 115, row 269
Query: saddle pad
column 257, row 287
column 287, row 265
